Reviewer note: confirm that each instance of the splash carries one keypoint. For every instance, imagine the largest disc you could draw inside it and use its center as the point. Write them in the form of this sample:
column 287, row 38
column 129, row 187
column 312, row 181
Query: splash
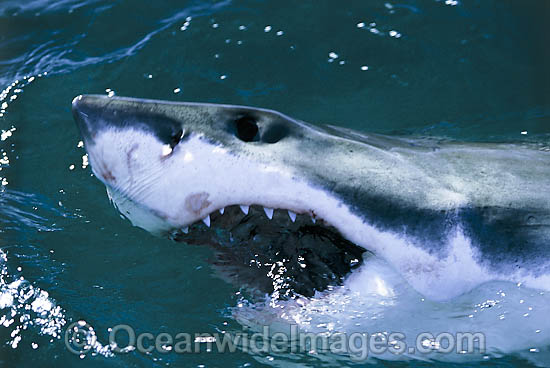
column 377, row 300
column 24, row 306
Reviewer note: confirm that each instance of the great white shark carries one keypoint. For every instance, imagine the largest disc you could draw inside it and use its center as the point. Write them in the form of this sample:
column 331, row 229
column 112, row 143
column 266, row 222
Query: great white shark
column 431, row 208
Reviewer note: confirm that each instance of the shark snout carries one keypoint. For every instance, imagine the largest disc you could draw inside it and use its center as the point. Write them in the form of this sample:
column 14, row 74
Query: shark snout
column 167, row 121
column 81, row 113
column 95, row 114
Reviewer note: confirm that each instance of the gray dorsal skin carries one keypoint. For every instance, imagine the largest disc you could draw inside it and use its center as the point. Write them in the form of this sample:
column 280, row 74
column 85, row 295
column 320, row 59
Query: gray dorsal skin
column 420, row 190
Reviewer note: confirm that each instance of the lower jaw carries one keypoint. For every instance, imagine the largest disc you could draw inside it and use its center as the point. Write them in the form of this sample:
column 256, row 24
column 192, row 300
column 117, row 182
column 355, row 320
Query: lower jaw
column 282, row 256
column 140, row 216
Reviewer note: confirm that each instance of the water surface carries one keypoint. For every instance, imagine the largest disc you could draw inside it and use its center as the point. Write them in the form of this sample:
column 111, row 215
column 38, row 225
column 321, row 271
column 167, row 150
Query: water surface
column 467, row 70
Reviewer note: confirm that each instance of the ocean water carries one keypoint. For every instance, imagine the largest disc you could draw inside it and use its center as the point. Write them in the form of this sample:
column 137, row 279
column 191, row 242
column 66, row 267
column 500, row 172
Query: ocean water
column 466, row 70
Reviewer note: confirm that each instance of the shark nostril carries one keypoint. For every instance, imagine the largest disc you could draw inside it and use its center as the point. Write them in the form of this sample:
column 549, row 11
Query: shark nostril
column 247, row 129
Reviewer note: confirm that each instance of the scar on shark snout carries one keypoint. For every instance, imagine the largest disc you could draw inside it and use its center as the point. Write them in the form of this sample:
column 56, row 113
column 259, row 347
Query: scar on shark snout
column 129, row 160
column 106, row 173
column 197, row 202
column 108, row 176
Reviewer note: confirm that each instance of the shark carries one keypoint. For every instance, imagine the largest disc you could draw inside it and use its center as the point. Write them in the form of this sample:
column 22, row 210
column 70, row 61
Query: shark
column 316, row 200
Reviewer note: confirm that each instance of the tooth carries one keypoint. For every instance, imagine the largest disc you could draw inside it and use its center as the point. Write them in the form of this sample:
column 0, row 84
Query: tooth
column 292, row 216
column 206, row 220
column 222, row 210
column 245, row 209
column 268, row 212
column 185, row 230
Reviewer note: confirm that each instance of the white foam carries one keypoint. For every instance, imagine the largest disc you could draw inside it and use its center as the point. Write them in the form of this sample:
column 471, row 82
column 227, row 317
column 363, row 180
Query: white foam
column 376, row 299
column 6, row 300
column 28, row 305
column 25, row 307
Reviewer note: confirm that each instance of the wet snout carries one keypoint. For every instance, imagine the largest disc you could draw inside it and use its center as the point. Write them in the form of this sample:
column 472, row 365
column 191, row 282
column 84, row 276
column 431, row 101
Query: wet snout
column 83, row 113
column 95, row 113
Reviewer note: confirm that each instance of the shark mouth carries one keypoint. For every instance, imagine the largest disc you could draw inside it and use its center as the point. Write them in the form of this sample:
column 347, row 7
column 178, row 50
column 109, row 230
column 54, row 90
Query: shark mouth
column 274, row 251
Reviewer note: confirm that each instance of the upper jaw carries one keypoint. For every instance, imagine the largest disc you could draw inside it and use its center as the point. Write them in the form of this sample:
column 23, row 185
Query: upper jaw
column 200, row 179
column 229, row 124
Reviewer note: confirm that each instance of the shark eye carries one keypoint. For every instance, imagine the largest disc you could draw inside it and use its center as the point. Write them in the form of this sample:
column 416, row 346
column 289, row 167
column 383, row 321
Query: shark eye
column 247, row 129
column 176, row 138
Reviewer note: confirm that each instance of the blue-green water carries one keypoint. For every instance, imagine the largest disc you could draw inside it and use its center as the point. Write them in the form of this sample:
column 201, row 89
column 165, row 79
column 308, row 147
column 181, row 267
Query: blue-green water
column 468, row 70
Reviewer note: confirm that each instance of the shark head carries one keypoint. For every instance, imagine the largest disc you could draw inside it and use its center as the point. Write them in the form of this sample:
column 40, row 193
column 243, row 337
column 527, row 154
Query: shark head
column 176, row 169
column 322, row 196
column 181, row 162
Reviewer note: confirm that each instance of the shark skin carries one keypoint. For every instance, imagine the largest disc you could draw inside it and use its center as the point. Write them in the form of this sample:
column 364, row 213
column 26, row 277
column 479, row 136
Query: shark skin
column 447, row 215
